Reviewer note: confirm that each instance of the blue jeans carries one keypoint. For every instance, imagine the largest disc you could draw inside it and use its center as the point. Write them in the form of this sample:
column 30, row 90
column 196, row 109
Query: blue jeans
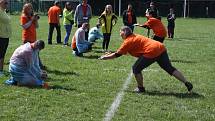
column 68, row 31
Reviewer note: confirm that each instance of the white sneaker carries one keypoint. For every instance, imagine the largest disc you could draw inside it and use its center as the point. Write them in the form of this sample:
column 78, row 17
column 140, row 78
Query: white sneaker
column 1, row 73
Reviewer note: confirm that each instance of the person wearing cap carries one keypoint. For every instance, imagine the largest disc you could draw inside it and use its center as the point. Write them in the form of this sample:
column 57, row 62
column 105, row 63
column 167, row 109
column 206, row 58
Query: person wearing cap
column 5, row 32
column 24, row 66
column 54, row 22
column 83, row 14
column 147, row 52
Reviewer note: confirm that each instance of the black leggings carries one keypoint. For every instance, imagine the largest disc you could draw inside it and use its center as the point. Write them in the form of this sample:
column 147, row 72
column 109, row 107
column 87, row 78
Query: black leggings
column 3, row 46
column 163, row 61
column 106, row 40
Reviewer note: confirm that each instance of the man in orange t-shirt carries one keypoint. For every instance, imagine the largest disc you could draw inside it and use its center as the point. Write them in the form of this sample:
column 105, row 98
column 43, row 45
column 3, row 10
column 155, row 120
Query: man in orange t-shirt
column 54, row 21
column 147, row 51
column 157, row 27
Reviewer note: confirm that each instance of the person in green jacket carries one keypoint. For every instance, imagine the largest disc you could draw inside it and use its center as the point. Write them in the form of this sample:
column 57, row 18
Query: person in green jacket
column 68, row 21
column 5, row 32
column 107, row 20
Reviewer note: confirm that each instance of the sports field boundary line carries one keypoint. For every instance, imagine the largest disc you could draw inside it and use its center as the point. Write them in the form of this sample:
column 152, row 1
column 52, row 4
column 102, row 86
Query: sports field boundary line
column 114, row 106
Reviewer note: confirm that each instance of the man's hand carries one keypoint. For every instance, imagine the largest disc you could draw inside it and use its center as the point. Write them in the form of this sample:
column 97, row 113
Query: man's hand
column 103, row 57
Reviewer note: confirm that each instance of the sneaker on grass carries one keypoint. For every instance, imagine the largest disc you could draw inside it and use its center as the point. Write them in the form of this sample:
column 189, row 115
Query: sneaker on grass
column 139, row 90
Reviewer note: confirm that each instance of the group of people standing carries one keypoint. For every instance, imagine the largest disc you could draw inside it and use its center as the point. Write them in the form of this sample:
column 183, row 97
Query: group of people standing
column 25, row 65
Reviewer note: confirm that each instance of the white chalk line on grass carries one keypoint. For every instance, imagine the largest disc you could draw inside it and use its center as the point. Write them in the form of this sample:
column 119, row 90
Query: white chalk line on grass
column 111, row 111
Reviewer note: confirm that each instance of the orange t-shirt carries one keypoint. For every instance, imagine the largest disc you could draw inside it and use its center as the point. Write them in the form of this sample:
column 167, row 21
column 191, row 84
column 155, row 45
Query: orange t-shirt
column 29, row 34
column 53, row 14
column 138, row 45
column 157, row 27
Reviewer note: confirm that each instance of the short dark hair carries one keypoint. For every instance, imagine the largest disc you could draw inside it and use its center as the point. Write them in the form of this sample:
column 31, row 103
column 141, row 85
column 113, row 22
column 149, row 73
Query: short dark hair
column 152, row 13
column 56, row 2
column 127, row 30
column 40, row 44
column 85, row 24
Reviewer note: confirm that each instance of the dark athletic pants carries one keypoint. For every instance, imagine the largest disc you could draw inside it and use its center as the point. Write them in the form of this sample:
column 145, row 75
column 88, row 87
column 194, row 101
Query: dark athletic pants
column 163, row 61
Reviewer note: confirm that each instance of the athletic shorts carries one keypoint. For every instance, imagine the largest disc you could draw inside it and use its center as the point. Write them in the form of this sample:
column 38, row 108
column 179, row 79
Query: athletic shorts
column 160, row 39
column 163, row 61
column 3, row 46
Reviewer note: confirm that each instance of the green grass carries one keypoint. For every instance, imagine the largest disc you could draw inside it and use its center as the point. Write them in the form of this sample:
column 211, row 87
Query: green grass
column 86, row 87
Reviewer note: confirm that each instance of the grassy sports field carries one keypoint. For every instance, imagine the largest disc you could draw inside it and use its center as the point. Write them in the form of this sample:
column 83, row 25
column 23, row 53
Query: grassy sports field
column 85, row 88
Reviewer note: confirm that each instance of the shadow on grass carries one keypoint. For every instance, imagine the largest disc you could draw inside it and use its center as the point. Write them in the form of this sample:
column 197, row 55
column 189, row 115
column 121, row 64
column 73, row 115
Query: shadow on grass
column 6, row 63
column 54, row 87
column 178, row 95
column 98, row 51
column 57, row 72
column 96, row 47
column 182, row 61
column 91, row 57
column 188, row 38
column 58, row 87
column 6, row 73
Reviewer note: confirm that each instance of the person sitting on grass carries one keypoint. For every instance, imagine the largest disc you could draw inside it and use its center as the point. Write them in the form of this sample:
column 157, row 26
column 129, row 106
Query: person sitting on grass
column 79, row 43
column 147, row 51
column 24, row 66
column 95, row 34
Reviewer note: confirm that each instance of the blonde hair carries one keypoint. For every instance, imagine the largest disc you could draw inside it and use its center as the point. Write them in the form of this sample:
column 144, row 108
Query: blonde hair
column 105, row 11
column 26, row 7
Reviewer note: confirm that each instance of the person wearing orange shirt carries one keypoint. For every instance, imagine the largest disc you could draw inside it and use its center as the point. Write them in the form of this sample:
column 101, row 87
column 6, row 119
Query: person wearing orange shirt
column 29, row 23
column 157, row 27
column 54, row 21
column 147, row 51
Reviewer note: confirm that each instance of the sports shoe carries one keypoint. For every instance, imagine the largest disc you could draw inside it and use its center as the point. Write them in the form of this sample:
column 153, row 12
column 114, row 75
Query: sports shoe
column 45, row 85
column 189, row 86
column 139, row 89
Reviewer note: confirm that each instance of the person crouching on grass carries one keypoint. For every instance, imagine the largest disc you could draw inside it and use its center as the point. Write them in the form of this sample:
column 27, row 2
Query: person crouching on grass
column 24, row 66
column 147, row 51
column 79, row 43
column 157, row 27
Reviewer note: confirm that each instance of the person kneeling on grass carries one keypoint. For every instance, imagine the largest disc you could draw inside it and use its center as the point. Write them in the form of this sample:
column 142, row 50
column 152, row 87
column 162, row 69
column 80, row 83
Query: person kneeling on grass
column 79, row 43
column 94, row 34
column 24, row 66
column 147, row 51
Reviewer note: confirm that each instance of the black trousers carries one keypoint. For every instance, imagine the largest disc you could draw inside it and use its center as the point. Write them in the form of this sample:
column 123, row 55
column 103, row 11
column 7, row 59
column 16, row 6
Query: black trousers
column 3, row 46
column 171, row 31
column 106, row 40
column 160, row 39
column 51, row 29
